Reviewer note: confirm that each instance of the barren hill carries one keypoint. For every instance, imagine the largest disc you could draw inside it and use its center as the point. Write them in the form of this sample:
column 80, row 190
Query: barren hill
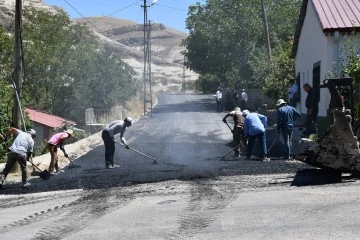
column 127, row 38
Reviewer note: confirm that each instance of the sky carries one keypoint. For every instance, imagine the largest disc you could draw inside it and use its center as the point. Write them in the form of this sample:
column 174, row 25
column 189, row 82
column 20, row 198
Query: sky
column 171, row 13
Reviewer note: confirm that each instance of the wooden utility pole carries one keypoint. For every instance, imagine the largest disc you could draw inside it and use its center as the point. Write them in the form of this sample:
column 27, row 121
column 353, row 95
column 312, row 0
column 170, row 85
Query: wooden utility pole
column 266, row 30
column 17, row 81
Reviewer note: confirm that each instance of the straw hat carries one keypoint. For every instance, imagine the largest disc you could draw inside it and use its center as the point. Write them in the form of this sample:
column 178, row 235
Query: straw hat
column 280, row 102
column 69, row 131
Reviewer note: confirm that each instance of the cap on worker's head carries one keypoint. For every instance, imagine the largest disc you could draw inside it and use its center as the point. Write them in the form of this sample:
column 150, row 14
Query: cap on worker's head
column 243, row 90
column 280, row 102
column 69, row 131
column 237, row 109
column 129, row 120
column 245, row 112
column 32, row 132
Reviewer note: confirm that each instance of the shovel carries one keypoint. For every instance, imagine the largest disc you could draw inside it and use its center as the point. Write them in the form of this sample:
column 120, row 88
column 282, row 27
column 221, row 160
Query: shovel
column 154, row 160
column 229, row 127
column 44, row 175
column 222, row 157
column 72, row 164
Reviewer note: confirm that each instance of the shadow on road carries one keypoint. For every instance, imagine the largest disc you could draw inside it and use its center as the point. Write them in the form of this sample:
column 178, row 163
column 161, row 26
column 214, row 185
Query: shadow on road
column 313, row 177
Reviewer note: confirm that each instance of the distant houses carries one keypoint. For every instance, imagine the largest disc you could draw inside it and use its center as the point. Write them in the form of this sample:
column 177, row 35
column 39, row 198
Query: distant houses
column 46, row 124
column 322, row 33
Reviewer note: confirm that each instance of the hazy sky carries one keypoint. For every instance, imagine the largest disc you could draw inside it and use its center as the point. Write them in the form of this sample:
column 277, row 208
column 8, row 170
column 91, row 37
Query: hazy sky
column 171, row 13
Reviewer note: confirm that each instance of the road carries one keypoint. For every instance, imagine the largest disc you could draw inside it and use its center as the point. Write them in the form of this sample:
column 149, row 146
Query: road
column 190, row 194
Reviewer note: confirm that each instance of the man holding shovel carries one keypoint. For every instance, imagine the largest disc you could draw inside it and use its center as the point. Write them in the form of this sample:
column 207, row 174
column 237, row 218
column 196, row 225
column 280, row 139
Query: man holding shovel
column 286, row 115
column 113, row 128
column 238, row 130
column 52, row 145
column 20, row 151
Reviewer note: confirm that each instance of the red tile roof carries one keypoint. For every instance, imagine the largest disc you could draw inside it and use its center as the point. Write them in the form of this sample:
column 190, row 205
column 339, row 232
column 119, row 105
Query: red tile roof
column 338, row 15
column 47, row 119
column 334, row 15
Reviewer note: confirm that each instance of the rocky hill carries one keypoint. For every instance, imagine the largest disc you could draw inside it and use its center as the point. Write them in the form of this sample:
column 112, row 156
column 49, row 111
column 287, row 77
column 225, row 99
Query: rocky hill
column 127, row 38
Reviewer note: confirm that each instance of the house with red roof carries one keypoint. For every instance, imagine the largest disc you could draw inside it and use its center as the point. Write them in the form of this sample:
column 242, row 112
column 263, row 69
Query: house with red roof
column 46, row 124
column 324, row 30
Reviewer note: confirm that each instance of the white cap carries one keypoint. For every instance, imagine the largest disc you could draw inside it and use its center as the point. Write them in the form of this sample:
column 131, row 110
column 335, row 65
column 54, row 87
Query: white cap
column 32, row 132
column 245, row 112
column 130, row 120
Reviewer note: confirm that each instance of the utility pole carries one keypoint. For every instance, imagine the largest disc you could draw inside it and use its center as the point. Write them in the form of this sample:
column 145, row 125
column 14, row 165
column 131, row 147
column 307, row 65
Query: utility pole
column 17, row 81
column 147, row 58
column 266, row 30
column 183, row 84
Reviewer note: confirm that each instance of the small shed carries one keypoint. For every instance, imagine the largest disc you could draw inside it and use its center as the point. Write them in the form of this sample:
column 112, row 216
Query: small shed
column 321, row 44
column 46, row 124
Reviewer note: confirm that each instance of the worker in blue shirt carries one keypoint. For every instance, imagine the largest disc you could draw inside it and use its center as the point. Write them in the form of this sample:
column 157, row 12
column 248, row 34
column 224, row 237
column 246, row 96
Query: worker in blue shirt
column 286, row 115
column 254, row 128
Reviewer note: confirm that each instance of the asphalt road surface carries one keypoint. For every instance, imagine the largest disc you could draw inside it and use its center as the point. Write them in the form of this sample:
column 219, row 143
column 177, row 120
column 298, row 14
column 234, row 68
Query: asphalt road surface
column 190, row 194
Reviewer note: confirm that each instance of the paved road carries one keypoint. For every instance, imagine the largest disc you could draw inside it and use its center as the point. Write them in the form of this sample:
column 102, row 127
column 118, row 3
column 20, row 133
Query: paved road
column 190, row 194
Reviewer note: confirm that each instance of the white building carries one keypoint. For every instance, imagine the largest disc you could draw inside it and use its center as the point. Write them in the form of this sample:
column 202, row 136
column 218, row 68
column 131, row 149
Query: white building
column 320, row 44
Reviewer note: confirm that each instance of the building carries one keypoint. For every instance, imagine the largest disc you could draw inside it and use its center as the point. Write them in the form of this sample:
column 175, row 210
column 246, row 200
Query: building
column 324, row 32
column 46, row 124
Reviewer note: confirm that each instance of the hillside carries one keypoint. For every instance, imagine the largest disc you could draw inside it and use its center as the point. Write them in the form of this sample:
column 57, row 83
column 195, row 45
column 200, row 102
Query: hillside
column 126, row 38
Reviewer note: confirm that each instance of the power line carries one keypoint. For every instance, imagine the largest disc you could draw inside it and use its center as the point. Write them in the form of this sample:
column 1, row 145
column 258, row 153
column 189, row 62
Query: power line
column 122, row 9
column 83, row 16
column 157, row 4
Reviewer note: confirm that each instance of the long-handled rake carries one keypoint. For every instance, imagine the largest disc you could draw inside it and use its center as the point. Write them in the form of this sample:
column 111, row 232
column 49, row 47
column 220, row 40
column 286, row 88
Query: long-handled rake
column 273, row 143
column 44, row 175
column 227, row 153
column 72, row 164
column 143, row 154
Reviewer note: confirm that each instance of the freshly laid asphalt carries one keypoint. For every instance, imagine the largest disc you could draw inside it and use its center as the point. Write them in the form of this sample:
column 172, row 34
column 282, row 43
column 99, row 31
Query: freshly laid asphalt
column 190, row 194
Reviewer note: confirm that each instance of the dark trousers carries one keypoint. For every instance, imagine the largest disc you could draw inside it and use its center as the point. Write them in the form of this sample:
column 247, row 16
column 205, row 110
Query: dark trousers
column 11, row 159
column 219, row 105
column 242, row 104
column 262, row 140
column 310, row 121
column 287, row 135
column 238, row 135
column 293, row 102
column 109, row 147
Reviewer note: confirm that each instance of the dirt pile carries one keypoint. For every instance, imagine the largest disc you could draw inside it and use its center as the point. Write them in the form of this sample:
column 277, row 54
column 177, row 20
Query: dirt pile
column 337, row 149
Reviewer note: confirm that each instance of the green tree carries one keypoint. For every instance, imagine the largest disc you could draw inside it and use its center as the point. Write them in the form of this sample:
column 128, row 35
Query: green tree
column 227, row 37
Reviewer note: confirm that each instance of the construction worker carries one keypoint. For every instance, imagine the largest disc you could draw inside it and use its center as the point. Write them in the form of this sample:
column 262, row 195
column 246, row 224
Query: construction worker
column 243, row 99
column 219, row 103
column 238, row 130
column 56, row 141
column 286, row 115
column 254, row 128
column 20, row 151
column 312, row 105
column 113, row 128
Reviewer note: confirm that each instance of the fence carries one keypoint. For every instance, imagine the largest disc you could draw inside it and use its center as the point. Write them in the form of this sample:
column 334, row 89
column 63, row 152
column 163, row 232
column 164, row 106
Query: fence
column 103, row 116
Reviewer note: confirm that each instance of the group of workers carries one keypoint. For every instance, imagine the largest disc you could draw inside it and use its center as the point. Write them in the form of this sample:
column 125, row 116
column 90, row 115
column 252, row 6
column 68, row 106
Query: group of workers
column 22, row 148
column 249, row 126
column 231, row 99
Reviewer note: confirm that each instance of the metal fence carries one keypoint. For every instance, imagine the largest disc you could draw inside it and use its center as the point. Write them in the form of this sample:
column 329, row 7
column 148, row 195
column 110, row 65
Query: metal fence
column 103, row 116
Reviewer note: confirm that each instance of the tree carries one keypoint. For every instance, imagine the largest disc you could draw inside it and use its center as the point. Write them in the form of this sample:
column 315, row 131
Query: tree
column 227, row 37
